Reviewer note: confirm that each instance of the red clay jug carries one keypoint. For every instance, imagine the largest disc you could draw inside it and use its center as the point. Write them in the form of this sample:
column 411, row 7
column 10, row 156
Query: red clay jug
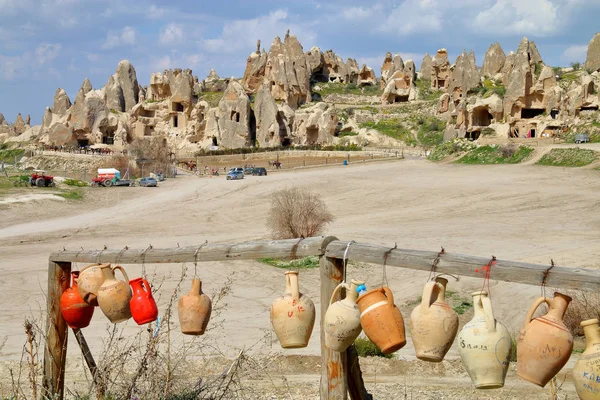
column 142, row 305
column 545, row 343
column 76, row 312
column 381, row 319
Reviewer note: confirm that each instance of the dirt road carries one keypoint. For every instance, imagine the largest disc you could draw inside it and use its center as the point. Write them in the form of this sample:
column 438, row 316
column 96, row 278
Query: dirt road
column 518, row 212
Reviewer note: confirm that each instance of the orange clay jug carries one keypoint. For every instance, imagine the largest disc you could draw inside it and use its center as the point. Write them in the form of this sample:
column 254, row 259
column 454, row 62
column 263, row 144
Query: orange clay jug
column 485, row 345
column 342, row 319
column 381, row 319
column 545, row 343
column 194, row 310
column 114, row 295
column 76, row 312
column 433, row 323
column 89, row 281
column 586, row 372
column 142, row 305
column 293, row 315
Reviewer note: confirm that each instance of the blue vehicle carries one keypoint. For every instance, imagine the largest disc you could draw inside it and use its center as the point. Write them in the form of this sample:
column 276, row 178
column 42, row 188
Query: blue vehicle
column 235, row 174
column 148, row 182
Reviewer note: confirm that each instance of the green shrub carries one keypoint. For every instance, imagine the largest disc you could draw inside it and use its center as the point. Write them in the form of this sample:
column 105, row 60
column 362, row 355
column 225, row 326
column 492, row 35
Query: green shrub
column 8, row 155
column 431, row 131
column 494, row 154
column 366, row 348
column 75, row 182
column 248, row 150
column 574, row 157
column 393, row 128
column 426, row 92
column 452, row 147
column 343, row 88
column 72, row 195
column 302, row 263
column 463, row 307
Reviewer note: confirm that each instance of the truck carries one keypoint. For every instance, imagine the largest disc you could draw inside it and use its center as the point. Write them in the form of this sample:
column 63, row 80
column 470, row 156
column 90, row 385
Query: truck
column 108, row 177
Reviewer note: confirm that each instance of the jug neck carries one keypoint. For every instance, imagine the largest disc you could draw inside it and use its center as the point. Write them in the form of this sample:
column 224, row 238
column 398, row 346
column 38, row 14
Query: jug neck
column 558, row 305
column 74, row 277
column 196, row 286
column 591, row 329
column 442, row 290
column 136, row 284
column 293, row 281
column 107, row 272
column 352, row 294
column 477, row 304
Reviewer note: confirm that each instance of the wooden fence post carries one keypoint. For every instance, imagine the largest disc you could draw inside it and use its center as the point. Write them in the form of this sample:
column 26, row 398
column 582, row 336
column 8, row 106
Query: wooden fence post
column 334, row 385
column 55, row 350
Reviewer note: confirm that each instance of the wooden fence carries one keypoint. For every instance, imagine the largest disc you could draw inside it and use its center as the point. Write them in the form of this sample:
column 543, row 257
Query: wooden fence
column 340, row 372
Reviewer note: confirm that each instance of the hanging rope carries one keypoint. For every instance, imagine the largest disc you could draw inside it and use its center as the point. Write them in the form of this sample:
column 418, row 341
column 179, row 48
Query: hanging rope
column 98, row 257
column 384, row 280
column 196, row 258
column 545, row 278
column 118, row 257
column 434, row 265
column 344, row 260
column 487, row 269
column 144, row 261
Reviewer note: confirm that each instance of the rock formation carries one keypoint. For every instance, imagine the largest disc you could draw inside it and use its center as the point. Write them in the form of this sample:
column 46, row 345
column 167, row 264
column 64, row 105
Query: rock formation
column 213, row 83
column 233, row 118
column 19, row 124
column 366, row 76
column 270, row 128
column 592, row 61
column 425, row 70
column 315, row 124
column 61, row 102
column 440, row 70
column 464, row 76
column 122, row 88
column 493, row 61
column 2, row 120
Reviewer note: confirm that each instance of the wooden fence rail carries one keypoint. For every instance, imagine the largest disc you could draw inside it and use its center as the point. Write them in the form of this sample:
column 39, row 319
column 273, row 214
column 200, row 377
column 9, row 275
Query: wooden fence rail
column 340, row 372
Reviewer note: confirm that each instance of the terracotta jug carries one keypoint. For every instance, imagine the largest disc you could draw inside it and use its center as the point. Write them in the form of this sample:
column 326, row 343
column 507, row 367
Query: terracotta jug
column 114, row 295
column 342, row 319
column 293, row 315
column 194, row 310
column 89, row 281
column 381, row 319
column 142, row 305
column 586, row 372
column 433, row 323
column 545, row 343
column 484, row 345
column 76, row 312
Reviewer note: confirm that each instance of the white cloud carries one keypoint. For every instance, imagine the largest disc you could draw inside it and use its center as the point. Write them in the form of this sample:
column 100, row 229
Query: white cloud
column 241, row 35
column 576, row 53
column 10, row 67
column 126, row 37
column 155, row 12
column 414, row 17
column 357, row 13
column 162, row 63
column 171, row 34
column 517, row 17
column 46, row 52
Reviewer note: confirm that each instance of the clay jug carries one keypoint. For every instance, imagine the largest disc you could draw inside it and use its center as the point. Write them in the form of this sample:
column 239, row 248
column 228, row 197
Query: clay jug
column 433, row 323
column 89, row 281
column 142, row 305
column 484, row 345
column 381, row 319
column 114, row 295
column 194, row 310
column 76, row 312
column 342, row 319
column 545, row 343
column 586, row 372
column 293, row 315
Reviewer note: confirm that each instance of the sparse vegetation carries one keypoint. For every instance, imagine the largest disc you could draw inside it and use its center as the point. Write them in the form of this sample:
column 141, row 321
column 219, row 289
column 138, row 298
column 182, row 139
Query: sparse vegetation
column 8, row 154
column 343, row 88
column 72, row 195
column 302, row 263
column 426, row 92
column 574, row 157
column 366, row 348
column 514, row 339
column 576, row 66
column 249, row 150
column 585, row 305
column 75, row 182
column 431, row 131
column 451, row 148
column 296, row 213
column 490, row 87
column 347, row 133
column 393, row 128
column 212, row 98
column 494, row 154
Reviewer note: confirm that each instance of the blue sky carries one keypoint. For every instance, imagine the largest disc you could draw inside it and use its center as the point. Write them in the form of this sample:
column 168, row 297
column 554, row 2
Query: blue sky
column 45, row 44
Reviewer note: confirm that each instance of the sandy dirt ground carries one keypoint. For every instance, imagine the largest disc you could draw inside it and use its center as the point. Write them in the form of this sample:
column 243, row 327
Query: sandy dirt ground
column 518, row 212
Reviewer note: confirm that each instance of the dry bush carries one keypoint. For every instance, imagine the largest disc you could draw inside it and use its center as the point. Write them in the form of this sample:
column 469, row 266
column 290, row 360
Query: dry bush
column 154, row 151
column 508, row 150
column 585, row 305
column 297, row 213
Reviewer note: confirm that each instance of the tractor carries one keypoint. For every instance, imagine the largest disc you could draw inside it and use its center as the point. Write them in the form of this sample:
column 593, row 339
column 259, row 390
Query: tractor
column 40, row 179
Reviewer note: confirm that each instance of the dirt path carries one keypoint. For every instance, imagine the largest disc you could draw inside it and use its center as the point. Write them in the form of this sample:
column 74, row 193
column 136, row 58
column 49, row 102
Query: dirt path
column 517, row 212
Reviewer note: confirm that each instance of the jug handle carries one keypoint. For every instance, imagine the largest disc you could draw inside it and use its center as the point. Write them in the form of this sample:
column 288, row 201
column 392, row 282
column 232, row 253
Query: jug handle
column 538, row 302
column 148, row 291
column 489, row 314
column 428, row 295
column 390, row 297
column 122, row 272
column 337, row 288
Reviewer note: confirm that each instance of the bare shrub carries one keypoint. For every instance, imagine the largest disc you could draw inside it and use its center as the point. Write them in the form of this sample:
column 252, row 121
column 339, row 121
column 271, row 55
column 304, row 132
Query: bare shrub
column 153, row 152
column 585, row 305
column 508, row 150
column 297, row 213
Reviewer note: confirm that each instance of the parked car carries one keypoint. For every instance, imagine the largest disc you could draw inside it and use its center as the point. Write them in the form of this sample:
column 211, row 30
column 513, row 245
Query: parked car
column 108, row 182
column 248, row 171
column 582, row 138
column 148, row 182
column 234, row 174
column 259, row 172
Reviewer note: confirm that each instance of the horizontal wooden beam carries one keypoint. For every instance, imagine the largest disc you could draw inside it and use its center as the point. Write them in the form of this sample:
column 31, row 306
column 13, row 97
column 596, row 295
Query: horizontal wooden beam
column 458, row 264
column 280, row 249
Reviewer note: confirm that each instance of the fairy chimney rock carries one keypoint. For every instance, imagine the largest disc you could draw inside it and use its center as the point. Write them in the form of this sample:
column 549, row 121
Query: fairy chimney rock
column 592, row 61
column 493, row 61
column 425, row 69
column 19, row 124
column 61, row 102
